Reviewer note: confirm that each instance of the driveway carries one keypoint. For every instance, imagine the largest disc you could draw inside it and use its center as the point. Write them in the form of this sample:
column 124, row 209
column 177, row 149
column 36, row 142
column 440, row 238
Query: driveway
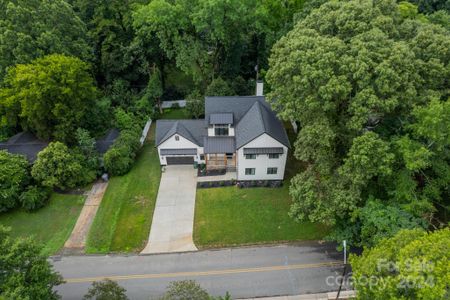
column 173, row 218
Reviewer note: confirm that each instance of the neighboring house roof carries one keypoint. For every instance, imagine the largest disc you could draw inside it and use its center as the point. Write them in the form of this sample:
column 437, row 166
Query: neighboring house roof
column 259, row 119
column 24, row 143
column 214, row 145
column 193, row 130
column 226, row 118
column 103, row 144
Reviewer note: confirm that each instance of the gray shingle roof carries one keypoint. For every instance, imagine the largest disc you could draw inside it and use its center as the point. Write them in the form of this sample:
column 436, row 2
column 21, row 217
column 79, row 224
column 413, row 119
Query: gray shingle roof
column 253, row 117
column 226, row 118
column 24, row 143
column 213, row 145
column 260, row 119
column 103, row 144
column 193, row 130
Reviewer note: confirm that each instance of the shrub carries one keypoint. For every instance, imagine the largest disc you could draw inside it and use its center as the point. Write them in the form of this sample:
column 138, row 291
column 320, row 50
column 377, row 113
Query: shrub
column 14, row 176
column 106, row 290
column 35, row 197
column 57, row 167
column 117, row 160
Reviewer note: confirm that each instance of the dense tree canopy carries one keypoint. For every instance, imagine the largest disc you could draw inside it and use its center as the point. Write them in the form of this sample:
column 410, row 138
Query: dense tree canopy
column 26, row 274
column 51, row 96
column 33, row 28
column 14, row 176
column 370, row 91
column 413, row 264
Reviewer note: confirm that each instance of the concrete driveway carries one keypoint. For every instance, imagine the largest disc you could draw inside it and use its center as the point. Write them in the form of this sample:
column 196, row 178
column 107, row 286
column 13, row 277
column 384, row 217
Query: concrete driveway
column 173, row 218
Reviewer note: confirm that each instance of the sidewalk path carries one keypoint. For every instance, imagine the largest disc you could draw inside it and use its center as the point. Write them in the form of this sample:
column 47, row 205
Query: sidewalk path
column 77, row 239
column 173, row 218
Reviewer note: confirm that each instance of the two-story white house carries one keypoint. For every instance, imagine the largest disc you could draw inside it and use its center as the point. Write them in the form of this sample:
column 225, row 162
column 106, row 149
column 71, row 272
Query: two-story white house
column 239, row 134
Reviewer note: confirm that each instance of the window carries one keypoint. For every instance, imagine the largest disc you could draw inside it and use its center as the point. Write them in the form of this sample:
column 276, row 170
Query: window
column 202, row 157
column 272, row 171
column 274, row 156
column 221, row 129
column 177, row 138
column 250, row 156
column 249, row 171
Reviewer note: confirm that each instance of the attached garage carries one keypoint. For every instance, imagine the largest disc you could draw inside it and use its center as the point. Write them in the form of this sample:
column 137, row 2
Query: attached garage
column 179, row 156
column 180, row 160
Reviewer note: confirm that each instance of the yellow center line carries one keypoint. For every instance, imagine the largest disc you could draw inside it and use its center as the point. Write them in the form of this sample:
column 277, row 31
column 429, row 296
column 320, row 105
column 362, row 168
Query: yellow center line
column 205, row 273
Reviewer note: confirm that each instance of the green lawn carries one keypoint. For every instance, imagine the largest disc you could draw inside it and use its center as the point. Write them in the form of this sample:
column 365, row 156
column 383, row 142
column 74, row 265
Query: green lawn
column 122, row 223
column 175, row 113
column 51, row 225
column 231, row 216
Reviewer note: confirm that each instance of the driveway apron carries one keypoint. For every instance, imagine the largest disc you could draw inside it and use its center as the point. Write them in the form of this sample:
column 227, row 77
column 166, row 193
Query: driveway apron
column 173, row 218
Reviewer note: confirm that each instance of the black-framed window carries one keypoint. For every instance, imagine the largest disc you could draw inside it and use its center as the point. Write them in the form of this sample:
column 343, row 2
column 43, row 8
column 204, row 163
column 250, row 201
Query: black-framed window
column 249, row 171
column 250, row 156
column 202, row 157
column 274, row 155
column 177, row 138
column 221, row 129
column 272, row 171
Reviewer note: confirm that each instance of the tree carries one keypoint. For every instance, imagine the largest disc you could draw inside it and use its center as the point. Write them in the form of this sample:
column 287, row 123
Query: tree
column 20, row 43
column 106, row 290
column 413, row 264
column 51, row 96
column 35, row 197
column 26, row 274
column 356, row 85
column 219, row 87
column 185, row 290
column 195, row 104
column 14, row 177
column 154, row 89
column 57, row 167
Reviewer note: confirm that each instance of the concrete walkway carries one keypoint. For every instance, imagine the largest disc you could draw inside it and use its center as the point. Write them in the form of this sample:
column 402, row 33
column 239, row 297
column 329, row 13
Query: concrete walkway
column 77, row 240
column 173, row 218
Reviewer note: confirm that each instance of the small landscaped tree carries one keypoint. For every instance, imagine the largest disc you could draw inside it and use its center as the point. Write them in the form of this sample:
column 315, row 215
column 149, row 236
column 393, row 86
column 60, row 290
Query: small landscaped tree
column 195, row 104
column 219, row 87
column 106, row 290
column 57, row 167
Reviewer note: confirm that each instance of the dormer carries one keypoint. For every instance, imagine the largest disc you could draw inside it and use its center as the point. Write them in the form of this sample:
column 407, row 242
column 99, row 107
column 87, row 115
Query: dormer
column 221, row 124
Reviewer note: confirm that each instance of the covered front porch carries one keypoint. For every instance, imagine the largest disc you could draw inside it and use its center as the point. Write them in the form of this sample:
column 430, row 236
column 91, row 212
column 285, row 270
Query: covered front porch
column 219, row 161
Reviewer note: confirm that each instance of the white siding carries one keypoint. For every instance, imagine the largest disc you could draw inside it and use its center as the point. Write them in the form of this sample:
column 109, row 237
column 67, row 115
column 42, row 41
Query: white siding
column 262, row 161
column 182, row 143
column 211, row 131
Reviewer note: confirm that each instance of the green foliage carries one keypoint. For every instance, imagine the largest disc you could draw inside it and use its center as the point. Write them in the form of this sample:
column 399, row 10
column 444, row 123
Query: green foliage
column 57, row 167
column 119, row 159
column 35, row 197
column 413, row 264
column 195, row 104
column 185, row 290
column 219, row 87
column 106, row 290
column 26, row 274
column 28, row 31
column 430, row 6
column 367, row 87
column 14, row 176
column 123, row 119
column 86, row 146
column 51, row 96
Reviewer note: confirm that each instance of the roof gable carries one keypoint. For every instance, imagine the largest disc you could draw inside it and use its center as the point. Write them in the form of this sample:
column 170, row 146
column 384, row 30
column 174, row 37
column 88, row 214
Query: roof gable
column 192, row 130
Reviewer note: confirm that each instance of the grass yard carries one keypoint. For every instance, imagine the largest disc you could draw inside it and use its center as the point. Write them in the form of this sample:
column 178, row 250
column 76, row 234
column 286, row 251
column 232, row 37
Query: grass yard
column 122, row 223
column 51, row 225
column 175, row 113
column 229, row 216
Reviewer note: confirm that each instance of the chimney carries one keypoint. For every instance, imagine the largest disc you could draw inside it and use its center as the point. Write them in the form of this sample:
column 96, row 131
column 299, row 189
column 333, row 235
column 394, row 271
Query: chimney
column 259, row 88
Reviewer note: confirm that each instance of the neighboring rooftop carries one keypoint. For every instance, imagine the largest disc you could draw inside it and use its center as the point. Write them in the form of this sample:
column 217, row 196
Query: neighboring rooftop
column 193, row 130
column 103, row 144
column 24, row 143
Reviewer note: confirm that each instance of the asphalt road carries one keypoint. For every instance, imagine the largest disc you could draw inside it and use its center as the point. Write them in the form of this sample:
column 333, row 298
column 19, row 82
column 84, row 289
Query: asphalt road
column 244, row 272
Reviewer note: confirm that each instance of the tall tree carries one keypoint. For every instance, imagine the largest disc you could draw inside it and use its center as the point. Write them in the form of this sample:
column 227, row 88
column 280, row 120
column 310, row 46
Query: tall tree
column 14, row 176
column 51, row 96
column 28, row 30
column 25, row 274
column 355, row 74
